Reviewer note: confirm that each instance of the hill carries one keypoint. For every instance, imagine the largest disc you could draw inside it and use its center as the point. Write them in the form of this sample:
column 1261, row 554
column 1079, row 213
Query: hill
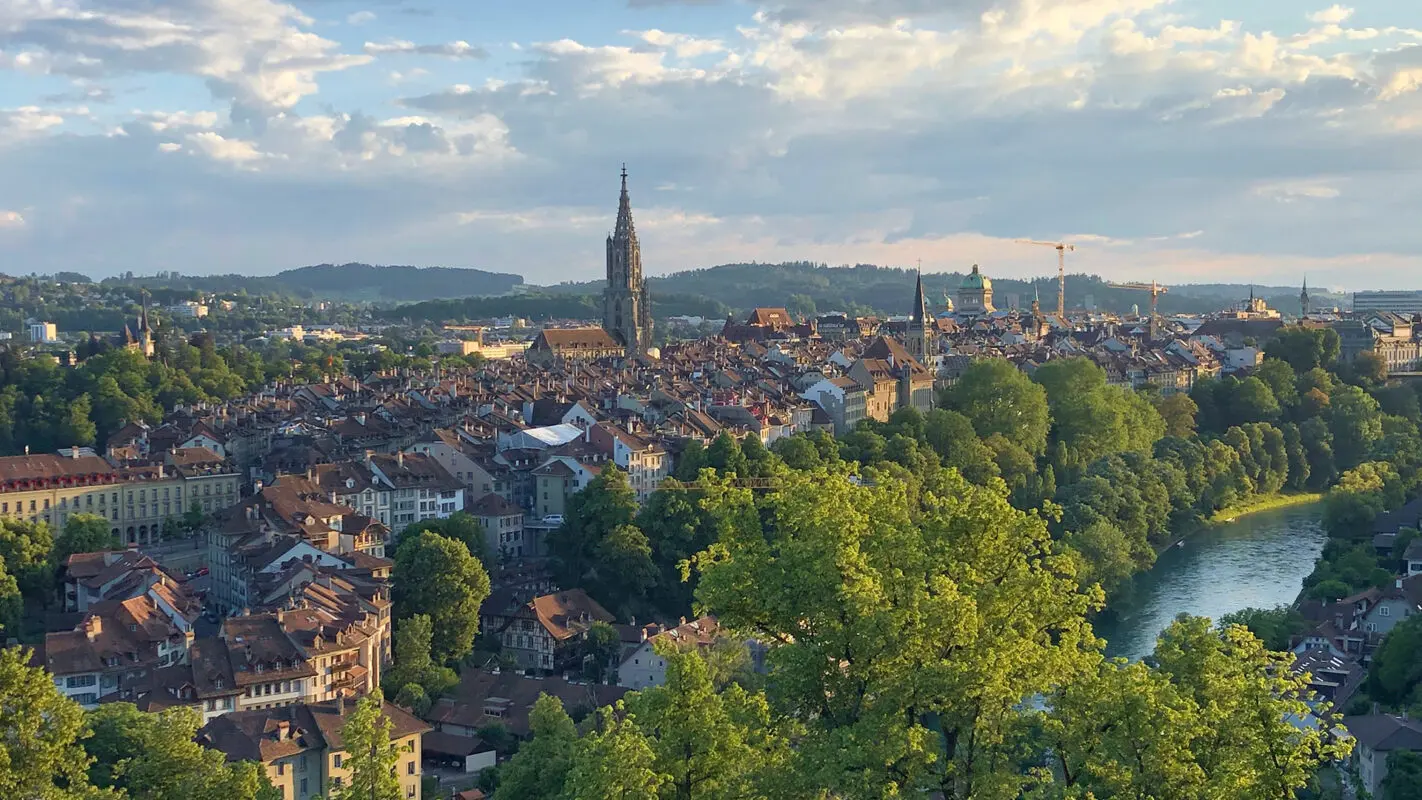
column 347, row 282
column 806, row 288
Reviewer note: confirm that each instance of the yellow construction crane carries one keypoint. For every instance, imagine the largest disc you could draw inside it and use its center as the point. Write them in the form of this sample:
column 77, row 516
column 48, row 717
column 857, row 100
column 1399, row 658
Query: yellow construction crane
column 1155, row 289
column 1061, row 248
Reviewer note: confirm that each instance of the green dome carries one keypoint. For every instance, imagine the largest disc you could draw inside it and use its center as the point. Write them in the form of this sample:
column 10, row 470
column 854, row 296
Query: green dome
column 976, row 280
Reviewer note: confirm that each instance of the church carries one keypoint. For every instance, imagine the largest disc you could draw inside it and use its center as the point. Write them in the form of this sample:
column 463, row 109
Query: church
column 626, row 309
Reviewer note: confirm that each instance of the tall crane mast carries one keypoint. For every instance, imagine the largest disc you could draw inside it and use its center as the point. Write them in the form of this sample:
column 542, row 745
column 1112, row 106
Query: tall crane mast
column 1061, row 248
column 1155, row 289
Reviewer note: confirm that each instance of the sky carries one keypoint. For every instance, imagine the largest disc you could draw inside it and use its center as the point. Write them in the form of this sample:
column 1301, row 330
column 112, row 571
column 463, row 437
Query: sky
column 1187, row 141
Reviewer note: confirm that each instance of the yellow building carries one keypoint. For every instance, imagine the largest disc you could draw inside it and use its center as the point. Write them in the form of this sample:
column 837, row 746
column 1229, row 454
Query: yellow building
column 301, row 746
column 136, row 500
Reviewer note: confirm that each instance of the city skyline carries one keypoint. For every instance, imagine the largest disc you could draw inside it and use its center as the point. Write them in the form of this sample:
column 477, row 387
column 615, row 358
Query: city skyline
column 1187, row 142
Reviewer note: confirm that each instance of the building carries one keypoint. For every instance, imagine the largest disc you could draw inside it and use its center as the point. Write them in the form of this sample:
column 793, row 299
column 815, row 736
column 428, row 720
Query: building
column 44, row 332
column 843, row 399
column 1398, row 302
column 626, row 308
column 921, row 337
column 117, row 643
column 188, row 308
column 544, row 633
column 1376, row 737
column 646, row 665
column 503, row 526
column 586, row 344
column 647, row 463
column 138, row 334
column 137, row 501
column 975, row 294
column 301, row 746
column 506, row 698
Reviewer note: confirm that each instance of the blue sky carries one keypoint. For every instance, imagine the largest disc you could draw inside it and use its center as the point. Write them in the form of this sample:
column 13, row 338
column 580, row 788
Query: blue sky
column 1185, row 141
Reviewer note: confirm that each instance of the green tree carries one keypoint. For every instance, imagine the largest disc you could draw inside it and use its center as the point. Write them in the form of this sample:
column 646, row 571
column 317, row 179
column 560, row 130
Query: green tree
column 1178, row 411
column 1213, row 720
column 1404, row 776
column 1356, row 424
column 12, row 604
column 25, row 550
column 41, row 734
column 1251, row 400
column 601, row 648
column 414, row 664
column 725, row 455
column 371, row 757
column 157, row 757
column 83, row 533
column 1396, row 671
column 997, row 397
column 824, row 566
column 613, row 762
column 1272, row 626
column 461, row 526
column 605, row 504
column 1110, row 556
column 78, row 429
column 1303, row 348
column 540, row 768
column 797, row 452
column 709, row 743
column 952, row 437
column 691, row 461
column 1282, row 381
column 437, row 576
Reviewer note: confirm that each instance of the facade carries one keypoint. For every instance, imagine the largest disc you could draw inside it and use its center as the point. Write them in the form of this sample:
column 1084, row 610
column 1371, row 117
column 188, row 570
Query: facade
column 646, row 463
column 645, row 666
column 544, row 633
column 588, row 344
column 137, row 501
column 921, row 337
column 503, row 526
column 1376, row 736
column 117, row 643
column 301, row 746
column 44, row 333
column 975, row 295
column 1397, row 302
column 843, row 399
column 626, row 308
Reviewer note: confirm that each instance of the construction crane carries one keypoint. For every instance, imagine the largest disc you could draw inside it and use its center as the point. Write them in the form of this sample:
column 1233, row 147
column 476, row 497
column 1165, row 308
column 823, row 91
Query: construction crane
column 1061, row 248
column 1155, row 289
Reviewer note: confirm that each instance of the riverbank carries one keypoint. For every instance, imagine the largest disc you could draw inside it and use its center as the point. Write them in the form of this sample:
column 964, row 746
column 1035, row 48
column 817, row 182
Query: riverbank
column 1268, row 503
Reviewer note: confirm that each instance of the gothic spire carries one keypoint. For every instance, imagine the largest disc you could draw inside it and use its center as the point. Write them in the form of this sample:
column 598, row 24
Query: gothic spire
column 920, row 301
column 625, row 227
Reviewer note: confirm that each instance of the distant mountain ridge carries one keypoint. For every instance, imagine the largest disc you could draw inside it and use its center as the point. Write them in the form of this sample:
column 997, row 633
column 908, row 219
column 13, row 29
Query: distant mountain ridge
column 352, row 282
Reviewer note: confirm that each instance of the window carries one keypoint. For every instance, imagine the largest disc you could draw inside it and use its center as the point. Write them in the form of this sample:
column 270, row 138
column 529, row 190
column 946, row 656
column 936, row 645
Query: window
column 336, row 781
column 410, row 768
column 336, row 762
column 303, row 781
column 1385, row 611
column 281, row 768
column 410, row 790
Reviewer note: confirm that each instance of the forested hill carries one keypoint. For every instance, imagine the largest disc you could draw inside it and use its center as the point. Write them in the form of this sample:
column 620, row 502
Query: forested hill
column 806, row 287
column 348, row 282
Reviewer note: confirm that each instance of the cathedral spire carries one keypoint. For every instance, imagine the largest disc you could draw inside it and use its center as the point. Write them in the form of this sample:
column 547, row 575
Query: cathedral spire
column 920, row 313
column 1303, row 299
column 624, row 212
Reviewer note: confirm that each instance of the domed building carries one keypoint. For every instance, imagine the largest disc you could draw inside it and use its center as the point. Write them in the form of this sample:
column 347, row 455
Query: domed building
column 975, row 295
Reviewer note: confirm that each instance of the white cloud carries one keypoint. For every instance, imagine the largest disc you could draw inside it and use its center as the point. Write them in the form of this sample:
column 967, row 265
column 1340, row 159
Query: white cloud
column 223, row 149
column 11, row 219
column 1333, row 15
column 361, row 18
column 1294, row 191
column 460, row 49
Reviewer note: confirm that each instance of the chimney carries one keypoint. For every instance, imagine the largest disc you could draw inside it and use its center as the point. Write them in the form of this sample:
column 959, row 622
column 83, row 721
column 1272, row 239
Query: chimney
column 400, row 458
column 283, row 731
column 93, row 626
column 1399, row 583
column 74, row 452
column 280, row 616
column 341, row 705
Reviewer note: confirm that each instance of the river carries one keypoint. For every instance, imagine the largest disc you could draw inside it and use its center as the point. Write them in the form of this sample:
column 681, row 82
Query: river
column 1258, row 560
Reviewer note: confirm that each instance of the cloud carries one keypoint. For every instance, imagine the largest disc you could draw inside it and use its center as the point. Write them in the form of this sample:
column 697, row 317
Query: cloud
column 361, row 18
column 1294, row 191
column 11, row 219
column 450, row 50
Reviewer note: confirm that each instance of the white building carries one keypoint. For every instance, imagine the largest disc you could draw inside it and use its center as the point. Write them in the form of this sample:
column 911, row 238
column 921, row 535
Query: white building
column 188, row 308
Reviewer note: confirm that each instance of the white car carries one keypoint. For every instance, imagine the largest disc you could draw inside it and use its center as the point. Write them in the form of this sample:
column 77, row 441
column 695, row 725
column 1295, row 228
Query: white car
column 553, row 519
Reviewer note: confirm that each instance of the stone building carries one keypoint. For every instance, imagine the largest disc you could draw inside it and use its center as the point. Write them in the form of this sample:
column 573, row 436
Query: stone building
column 626, row 308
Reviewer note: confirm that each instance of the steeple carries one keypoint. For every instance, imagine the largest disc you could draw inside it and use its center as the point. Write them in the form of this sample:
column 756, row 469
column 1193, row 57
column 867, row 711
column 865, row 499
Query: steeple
column 920, row 313
column 1303, row 299
column 626, row 308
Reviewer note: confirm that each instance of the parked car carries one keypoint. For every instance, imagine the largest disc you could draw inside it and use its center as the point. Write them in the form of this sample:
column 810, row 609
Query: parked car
column 553, row 519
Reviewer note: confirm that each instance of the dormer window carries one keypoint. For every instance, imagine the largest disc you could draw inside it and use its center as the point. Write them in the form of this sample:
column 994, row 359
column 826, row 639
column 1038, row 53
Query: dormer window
column 218, row 683
column 259, row 667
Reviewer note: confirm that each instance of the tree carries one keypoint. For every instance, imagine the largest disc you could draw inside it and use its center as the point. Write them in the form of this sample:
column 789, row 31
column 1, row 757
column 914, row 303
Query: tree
column 725, row 455
column 952, row 437
column 1251, row 400
column 461, row 526
column 371, row 757
column 414, row 664
column 437, row 576
column 1404, row 776
column 1110, row 556
column 83, row 533
column 1396, row 671
column 997, row 397
column 601, row 647
column 540, row 768
column 1272, row 626
column 1356, row 424
column 1178, row 411
column 606, row 503
column 613, row 762
column 157, row 757
column 691, row 461
column 78, row 430
column 1281, row 379
column 25, row 549
column 709, row 743
column 1369, row 369
column 1213, row 720
column 1303, row 348
column 824, row 565
column 797, row 452
column 12, row 604
column 41, row 730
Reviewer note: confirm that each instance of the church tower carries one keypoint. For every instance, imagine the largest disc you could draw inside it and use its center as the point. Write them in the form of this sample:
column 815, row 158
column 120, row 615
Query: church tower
column 1303, row 299
column 626, row 310
column 919, row 336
